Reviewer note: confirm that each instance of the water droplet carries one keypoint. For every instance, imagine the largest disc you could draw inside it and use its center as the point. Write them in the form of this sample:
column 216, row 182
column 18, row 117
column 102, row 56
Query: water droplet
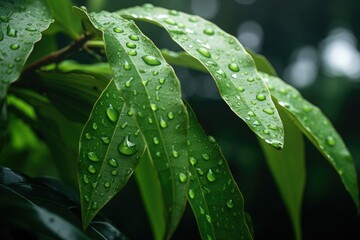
column 153, row 107
column 200, row 171
column 134, row 37
column 161, row 80
column 94, row 185
column 193, row 160
column 150, row 120
column 240, row 89
column 256, row 123
column 124, row 125
column 132, row 53
column 163, row 123
column 268, row 111
column 251, row 114
column 250, row 79
column 156, row 140
column 173, row 12
column 307, row 108
column 209, row 31
column 94, row 206
column 220, row 162
column 94, row 126
column 210, row 176
column 230, row 203
column 85, row 179
column 260, row 97
column 234, row 67
column 202, row 211
column 191, row 194
column 14, row 46
column 87, row 135
column 212, row 139
column 131, row 45
column 4, row 18
column 111, row 113
column 193, row 19
column 112, row 162
column 86, row 197
column 266, row 132
column 171, row 115
column 118, row 30
column 128, row 82
column 114, row 172
column 208, row 218
column 107, row 184
column 174, row 152
column 273, row 127
column 127, row 66
column 91, row 169
column 204, row 52
column 182, row 177
column 170, row 21
column 126, row 147
column 31, row 29
column 11, row 32
column 205, row 156
column 158, row 154
column 93, row 157
column 151, row 60
column 330, row 141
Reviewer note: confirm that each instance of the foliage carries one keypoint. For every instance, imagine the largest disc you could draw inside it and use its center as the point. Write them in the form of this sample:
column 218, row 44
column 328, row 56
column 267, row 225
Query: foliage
column 123, row 113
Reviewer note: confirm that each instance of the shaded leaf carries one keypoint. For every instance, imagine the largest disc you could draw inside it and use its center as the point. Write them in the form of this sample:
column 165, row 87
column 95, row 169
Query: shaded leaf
column 318, row 129
column 110, row 149
column 227, row 61
column 213, row 194
column 288, row 169
column 151, row 89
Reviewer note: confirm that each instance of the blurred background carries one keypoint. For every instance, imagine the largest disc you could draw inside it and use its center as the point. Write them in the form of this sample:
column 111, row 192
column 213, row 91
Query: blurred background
column 313, row 45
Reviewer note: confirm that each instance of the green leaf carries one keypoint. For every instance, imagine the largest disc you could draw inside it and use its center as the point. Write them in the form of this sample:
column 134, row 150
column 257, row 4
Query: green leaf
column 213, row 194
column 288, row 169
column 151, row 89
column 182, row 59
column 66, row 20
column 227, row 61
column 95, row 68
column 21, row 24
column 262, row 64
column 150, row 190
column 318, row 129
column 110, row 149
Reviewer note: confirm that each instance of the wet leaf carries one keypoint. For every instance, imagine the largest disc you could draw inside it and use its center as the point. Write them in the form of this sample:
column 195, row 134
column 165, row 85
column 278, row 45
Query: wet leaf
column 232, row 68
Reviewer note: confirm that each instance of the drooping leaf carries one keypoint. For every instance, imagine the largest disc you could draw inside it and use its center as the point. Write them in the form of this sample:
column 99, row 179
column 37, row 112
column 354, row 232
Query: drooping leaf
column 97, row 68
column 288, row 169
column 318, row 129
column 110, row 149
column 151, row 89
column 227, row 61
column 182, row 59
column 262, row 64
column 150, row 190
column 213, row 194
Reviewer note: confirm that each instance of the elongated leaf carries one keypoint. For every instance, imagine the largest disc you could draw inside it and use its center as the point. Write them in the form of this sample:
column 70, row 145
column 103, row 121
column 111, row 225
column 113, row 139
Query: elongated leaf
column 213, row 194
column 318, row 129
column 98, row 68
column 227, row 61
column 151, row 89
column 110, row 149
column 288, row 169
column 150, row 189
column 21, row 24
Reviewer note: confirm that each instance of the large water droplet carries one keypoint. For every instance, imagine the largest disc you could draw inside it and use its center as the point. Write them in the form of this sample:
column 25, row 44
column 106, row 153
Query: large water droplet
column 107, row 185
column 156, row 140
column 268, row 111
column 163, row 123
column 210, row 176
column 171, row 115
column 132, row 53
column 93, row 157
column 91, row 169
column 94, row 126
column 112, row 162
column 209, row 31
column 126, row 147
column 205, row 156
column 182, row 177
column 260, row 97
column 234, row 67
column 118, row 30
column 11, row 32
column 204, row 52
column 111, row 113
column 127, row 66
column 161, row 80
column 151, row 60
column 170, row 21
column 134, row 37
column 330, row 141
column 131, row 45
column 191, row 194
column 230, row 203
column 174, row 152
column 193, row 160
column 153, row 107
column 88, row 136
column 14, row 46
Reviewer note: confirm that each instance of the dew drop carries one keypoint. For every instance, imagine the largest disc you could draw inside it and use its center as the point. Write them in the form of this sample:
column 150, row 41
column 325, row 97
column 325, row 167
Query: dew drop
column 156, row 140
column 230, row 203
column 88, row 136
column 307, row 108
column 134, row 37
column 91, row 169
column 330, row 141
column 204, row 52
column 131, row 45
column 174, row 152
column 170, row 21
column 114, row 172
column 250, row 79
column 132, row 53
column 210, row 176
column 128, row 82
column 126, row 147
column 234, row 67
column 266, row 132
column 93, row 157
column 173, row 12
column 151, row 60
column 124, row 125
column 220, row 162
column 127, row 66
column 118, row 30
column 260, row 97
column 273, row 127
column 182, row 177
column 208, row 218
column 94, row 126
column 11, row 32
column 86, row 197
column 212, row 139
column 268, row 111
column 202, row 211
column 153, row 107
column 111, row 113
column 112, row 162
column 85, row 179
column 209, row 31
column 107, row 184
column 161, row 80
column 171, row 115
column 193, row 19
column 251, row 114
column 94, row 206
column 14, row 46
column 192, row 160
column 94, row 184
column 240, row 89
column 205, row 156
column 163, row 123
column 191, row 194
column 200, row 171
column 31, row 29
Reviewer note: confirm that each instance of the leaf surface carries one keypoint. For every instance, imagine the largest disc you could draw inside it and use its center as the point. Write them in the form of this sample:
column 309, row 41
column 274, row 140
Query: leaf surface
column 227, row 61
column 213, row 194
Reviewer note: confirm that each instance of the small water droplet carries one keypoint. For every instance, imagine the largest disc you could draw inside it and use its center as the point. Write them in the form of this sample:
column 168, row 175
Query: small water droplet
column 88, row 136
column 114, row 172
column 94, row 126
column 208, row 237
column 134, row 37
column 208, row 218
column 131, row 45
column 112, row 162
column 111, row 113
column 210, row 176
column 192, row 160
column 14, row 46
column 153, row 107
column 240, row 89
column 212, row 139
column 191, row 194
column 94, row 206
column 86, row 197
column 330, row 141
column 170, row 21
column 230, row 203
column 30, row 29
column 234, row 67
column 266, row 132
column 161, row 80
column 205, row 156
column 11, row 32
column 209, row 31
column 182, row 177
column 193, row 19
column 94, row 184
column 151, row 60
column 93, row 157
column 171, row 115
column 174, row 152
column 200, row 171
column 127, row 66
column 204, row 52
column 124, row 125
column 268, row 111
column 132, row 53
column 251, row 114
column 307, row 108
column 156, row 140
column 126, row 147
column 118, row 30
column 173, row 12
column 250, row 79
column 128, row 82
column 260, row 97
column 273, row 127
column 107, row 184
column 163, row 123
column 85, row 179
column 202, row 211
column 91, row 169
column 220, row 162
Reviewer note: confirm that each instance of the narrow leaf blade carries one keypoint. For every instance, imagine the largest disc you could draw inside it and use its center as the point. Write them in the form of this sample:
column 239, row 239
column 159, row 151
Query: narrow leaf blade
column 110, row 149
column 227, row 61
column 213, row 194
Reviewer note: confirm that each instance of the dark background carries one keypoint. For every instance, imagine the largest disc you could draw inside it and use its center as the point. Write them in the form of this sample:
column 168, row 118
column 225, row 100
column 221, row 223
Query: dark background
column 313, row 45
